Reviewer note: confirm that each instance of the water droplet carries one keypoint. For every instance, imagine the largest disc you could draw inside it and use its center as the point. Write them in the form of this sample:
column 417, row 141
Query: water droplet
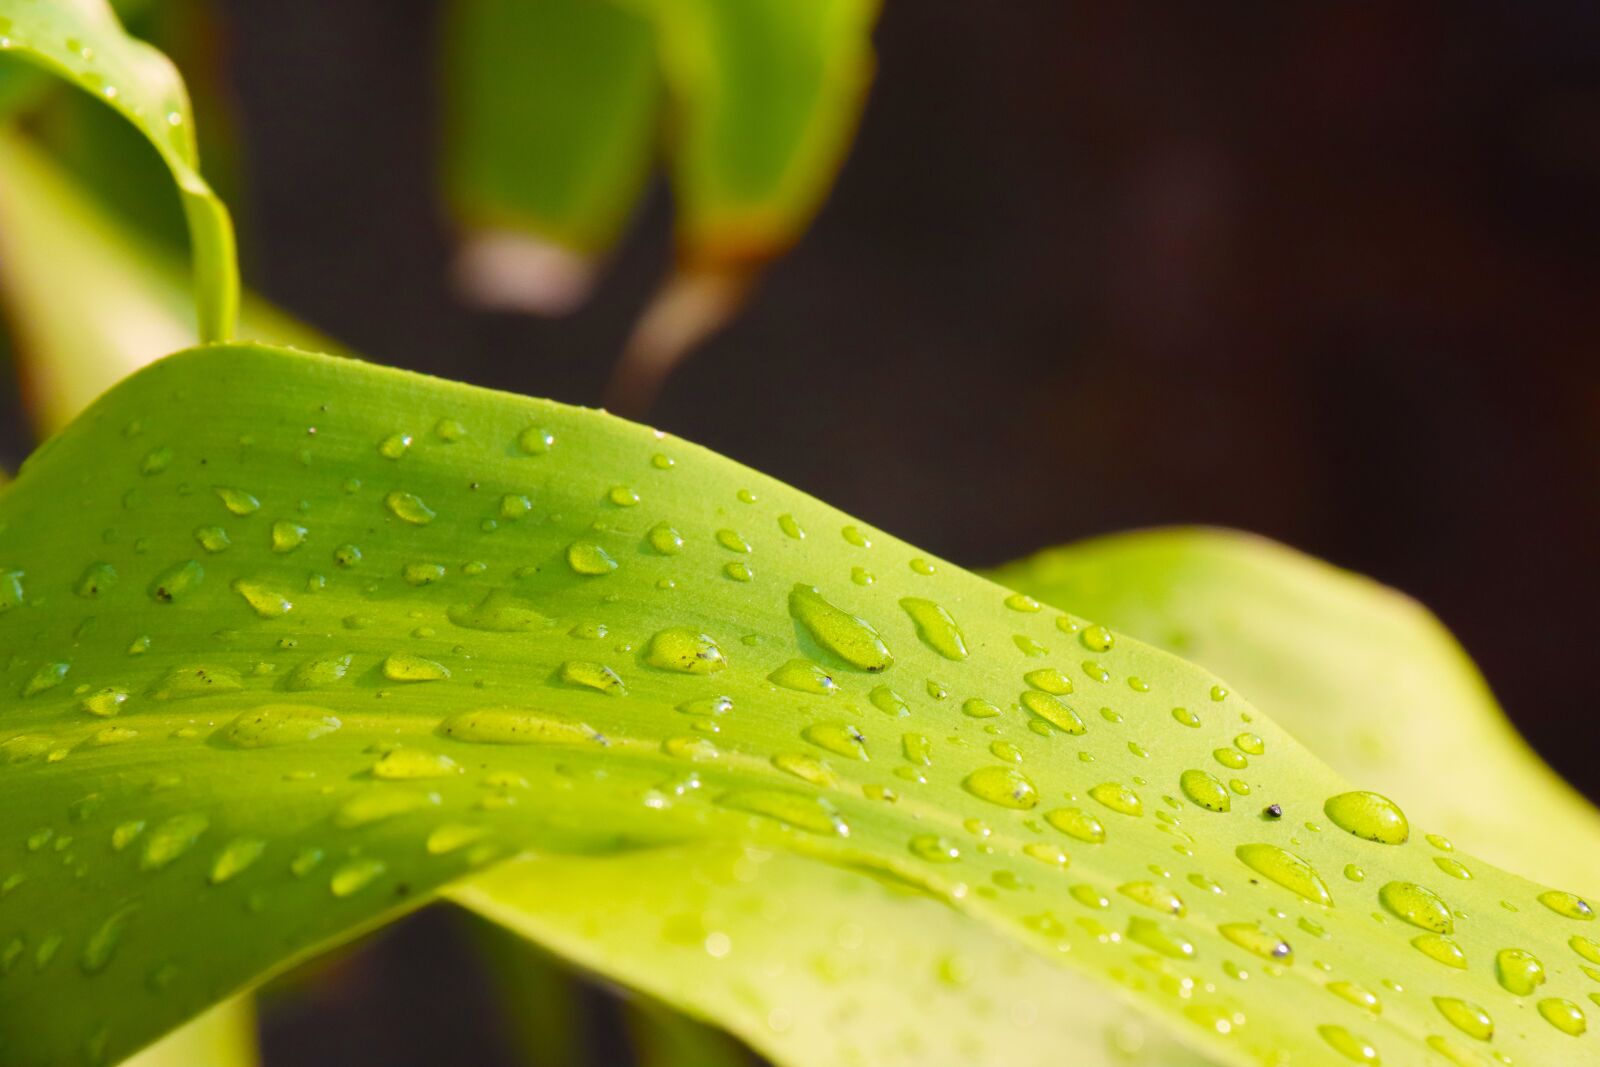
column 1468, row 1018
column 1563, row 1015
column 1370, row 816
column 451, row 837
column 1569, row 905
column 1250, row 743
column 1118, row 798
column 264, row 601
column 1454, row 868
column 320, row 673
column 1152, row 935
column 1154, row 896
column 806, row 768
column 889, row 702
column 803, row 676
column 1187, row 717
column 171, row 839
column 102, row 943
column 934, row 848
column 536, row 440
column 176, row 582
column 841, row 739
column 847, row 636
column 1355, row 994
column 408, row 507
column 1589, row 950
column 1287, row 870
column 1205, row 790
column 406, row 667
column 936, row 627
column 1053, row 711
column 95, row 580
column 978, row 708
column 237, row 855
column 355, row 875
column 237, row 501
column 1441, row 949
column 589, row 559
column 591, row 675
column 1231, row 758
column 1518, row 971
column 812, row 814
column 405, row 763
column 1075, row 822
column 1005, row 786
column 182, row 683
column 1049, row 680
column 516, row 726
column 379, row 803
column 685, row 650
column 1097, row 639
column 1253, row 939
column 1418, row 906
column 271, row 725
column 665, row 540
column 498, row 612
column 1348, row 1045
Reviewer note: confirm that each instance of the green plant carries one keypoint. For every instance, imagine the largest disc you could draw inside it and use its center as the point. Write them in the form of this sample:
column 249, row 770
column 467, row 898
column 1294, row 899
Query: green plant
column 295, row 644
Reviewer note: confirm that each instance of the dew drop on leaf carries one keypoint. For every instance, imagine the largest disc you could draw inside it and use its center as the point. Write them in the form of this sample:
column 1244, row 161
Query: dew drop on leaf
column 936, row 627
column 1370, row 816
column 1286, row 869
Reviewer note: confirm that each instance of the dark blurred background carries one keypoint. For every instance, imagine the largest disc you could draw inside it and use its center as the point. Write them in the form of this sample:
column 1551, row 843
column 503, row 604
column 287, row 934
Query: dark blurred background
column 1327, row 272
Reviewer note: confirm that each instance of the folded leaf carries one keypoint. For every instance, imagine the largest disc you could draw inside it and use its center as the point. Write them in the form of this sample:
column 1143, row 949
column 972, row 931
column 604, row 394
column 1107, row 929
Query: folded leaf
column 89, row 301
column 295, row 641
column 551, row 129
column 1364, row 676
column 813, row 964
column 82, row 41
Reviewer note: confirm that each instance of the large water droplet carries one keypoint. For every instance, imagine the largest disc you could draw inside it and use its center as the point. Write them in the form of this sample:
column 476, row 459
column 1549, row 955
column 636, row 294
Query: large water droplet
column 1518, row 971
column 840, row 738
column 1418, row 906
column 1286, row 869
column 235, row 857
column 1075, row 822
column 812, row 814
column 804, row 676
column 936, row 628
column 171, row 839
column 516, row 726
column 271, row 725
column 1205, row 790
column 1371, row 816
column 684, row 649
column 1118, row 798
column 847, row 636
column 1054, row 711
column 1005, row 786
column 1466, row 1017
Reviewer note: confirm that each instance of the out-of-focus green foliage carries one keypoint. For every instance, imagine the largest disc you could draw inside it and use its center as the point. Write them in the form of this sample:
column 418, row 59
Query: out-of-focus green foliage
column 82, row 42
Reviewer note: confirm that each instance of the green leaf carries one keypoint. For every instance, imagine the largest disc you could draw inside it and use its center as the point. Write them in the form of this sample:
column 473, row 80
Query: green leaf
column 550, row 123
column 811, row 963
column 309, row 639
column 88, row 300
column 82, row 42
column 225, row 1036
column 764, row 96
column 1362, row 675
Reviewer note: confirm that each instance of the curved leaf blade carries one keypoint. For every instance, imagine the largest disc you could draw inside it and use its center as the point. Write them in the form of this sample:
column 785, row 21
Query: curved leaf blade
column 813, row 964
column 500, row 576
column 82, row 42
column 550, row 137
column 1363, row 675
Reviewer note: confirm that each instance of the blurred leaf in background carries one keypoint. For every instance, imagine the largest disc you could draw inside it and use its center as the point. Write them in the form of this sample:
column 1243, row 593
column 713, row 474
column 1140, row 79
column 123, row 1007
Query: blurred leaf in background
column 554, row 111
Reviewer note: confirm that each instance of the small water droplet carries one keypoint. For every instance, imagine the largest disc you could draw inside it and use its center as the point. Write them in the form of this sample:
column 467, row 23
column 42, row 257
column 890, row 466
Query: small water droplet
column 589, row 559
column 1056, row 712
column 1075, row 822
column 406, row 667
column 1253, row 939
column 410, row 508
column 803, row 676
column 1418, row 906
column 171, row 839
column 235, row 857
column 1466, row 1017
column 355, row 875
column 1118, row 798
column 1348, row 1045
column 1518, row 971
column 842, row 739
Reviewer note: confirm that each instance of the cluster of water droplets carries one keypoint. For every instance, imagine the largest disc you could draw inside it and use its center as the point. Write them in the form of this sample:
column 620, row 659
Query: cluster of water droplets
column 797, row 693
